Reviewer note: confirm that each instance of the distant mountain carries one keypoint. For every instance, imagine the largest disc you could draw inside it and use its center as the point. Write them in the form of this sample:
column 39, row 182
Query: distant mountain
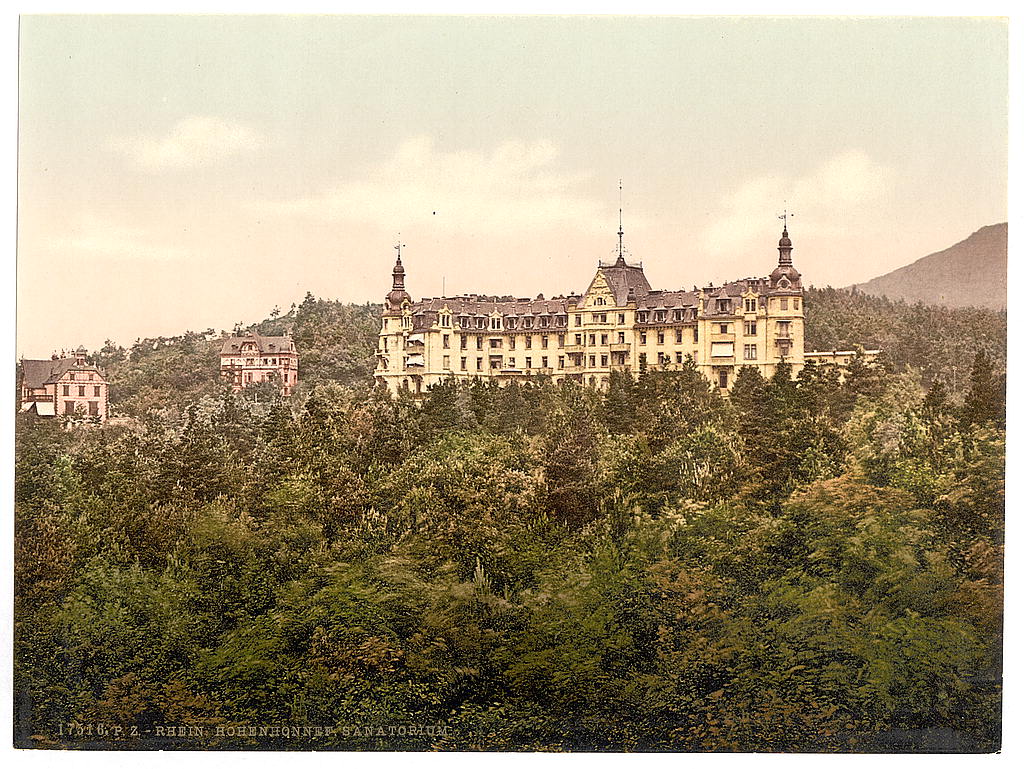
column 970, row 274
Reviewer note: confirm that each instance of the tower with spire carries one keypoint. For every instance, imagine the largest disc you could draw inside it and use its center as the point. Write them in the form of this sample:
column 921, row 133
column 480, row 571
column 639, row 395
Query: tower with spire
column 398, row 294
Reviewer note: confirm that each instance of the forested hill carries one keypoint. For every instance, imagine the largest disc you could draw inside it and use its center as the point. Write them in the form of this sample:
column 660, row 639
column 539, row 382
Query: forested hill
column 938, row 342
column 335, row 341
column 971, row 273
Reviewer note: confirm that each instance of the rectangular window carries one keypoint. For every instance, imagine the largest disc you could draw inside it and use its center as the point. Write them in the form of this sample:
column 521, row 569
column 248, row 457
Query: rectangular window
column 579, row 320
column 723, row 328
column 445, row 341
column 593, row 340
column 784, row 303
column 783, row 328
column 579, row 339
column 529, row 342
column 67, row 389
column 622, row 319
column 445, row 364
column 81, row 391
column 750, row 352
column 69, row 407
column 750, row 305
column 511, row 362
column 593, row 361
column 462, row 342
column 641, row 317
column 462, row 363
column 529, row 363
column 561, row 340
column 479, row 343
column 604, row 360
column 604, row 339
column 696, row 334
column 511, row 343
column 545, row 321
column 479, row 364
column 723, row 378
column 661, row 337
column 750, row 327
column 643, row 338
column 724, row 305
column 544, row 342
column 679, row 357
column 642, row 358
column 677, row 315
column 796, row 304
column 561, row 361
column 622, row 337
column 659, row 316
column 495, row 344
column 544, row 361
column 679, row 336
column 96, row 391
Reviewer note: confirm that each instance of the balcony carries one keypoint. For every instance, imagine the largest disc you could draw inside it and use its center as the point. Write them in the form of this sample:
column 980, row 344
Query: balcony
column 619, row 347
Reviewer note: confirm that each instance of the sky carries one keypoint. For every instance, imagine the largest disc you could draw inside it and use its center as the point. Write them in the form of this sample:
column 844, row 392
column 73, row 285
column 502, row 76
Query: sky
column 190, row 172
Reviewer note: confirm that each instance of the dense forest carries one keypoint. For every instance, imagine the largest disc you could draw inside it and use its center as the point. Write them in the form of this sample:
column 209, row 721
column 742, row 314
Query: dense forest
column 811, row 564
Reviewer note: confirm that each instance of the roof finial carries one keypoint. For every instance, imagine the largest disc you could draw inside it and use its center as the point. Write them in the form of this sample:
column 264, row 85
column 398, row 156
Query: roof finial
column 621, row 260
column 398, row 247
column 785, row 218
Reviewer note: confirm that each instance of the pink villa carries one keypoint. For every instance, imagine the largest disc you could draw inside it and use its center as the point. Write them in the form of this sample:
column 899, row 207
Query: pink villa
column 69, row 387
column 251, row 359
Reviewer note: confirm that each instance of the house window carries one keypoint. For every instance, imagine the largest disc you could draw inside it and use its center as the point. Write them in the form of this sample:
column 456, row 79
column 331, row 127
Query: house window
column 599, row 300
column 544, row 361
column 579, row 320
column 561, row 340
column 724, row 305
column 479, row 343
column 593, row 361
column 784, row 303
column 641, row 317
column 696, row 334
column 462, row 342
column 796, row 304
column 621, row 337
column 604, row 339
column 495, row 344
column 511, row 343
column 69, row 407
column 94, row 408
column 561, row 361
column 643, row 337
column 479, row 364
column 511, row 362
column 723, row 378
column 529, row 363
column 446, row 342
column 529, row 342
column 642, row 358
column 783, row 328
column 446, row 364
column 579, row 339
column 96, row 391
column 750, row 327
column 659, row 315
column 604, row 360
column 750, row 352
column 622, row 318
column 67, row 389
column 679, row 357
column 661, row 337
column 527, row 322
column 750, row 305
column 446, row 321
column 679, row 336
column 677, row 315
column 81, row 391
column 545, row 321
column 723, row 328
column 462, row 364
column 544, row 342
column 592, row 341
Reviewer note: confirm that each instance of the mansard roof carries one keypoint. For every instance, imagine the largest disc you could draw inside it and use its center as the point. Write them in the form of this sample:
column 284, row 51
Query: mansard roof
column 474, row 304
column 266, row 345
column 622, row 277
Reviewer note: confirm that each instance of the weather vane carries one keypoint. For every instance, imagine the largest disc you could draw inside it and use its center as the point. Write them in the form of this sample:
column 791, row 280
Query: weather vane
column 398, row 246
column 785, row 218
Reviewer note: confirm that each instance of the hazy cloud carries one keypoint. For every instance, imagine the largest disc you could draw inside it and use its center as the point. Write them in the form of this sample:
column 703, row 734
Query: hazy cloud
column 102, row 238
column 847, row 186
column 191, row 142
column 515, row 185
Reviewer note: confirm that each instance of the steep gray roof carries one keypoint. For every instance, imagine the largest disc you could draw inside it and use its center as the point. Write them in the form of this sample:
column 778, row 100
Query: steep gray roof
column 38, row 373
column 622, row 278
column 266, row 345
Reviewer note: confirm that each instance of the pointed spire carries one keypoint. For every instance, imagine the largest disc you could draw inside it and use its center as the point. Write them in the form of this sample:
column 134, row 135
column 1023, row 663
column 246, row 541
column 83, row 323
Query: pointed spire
column 621, row 260
column 785, row 244
column 398, row 293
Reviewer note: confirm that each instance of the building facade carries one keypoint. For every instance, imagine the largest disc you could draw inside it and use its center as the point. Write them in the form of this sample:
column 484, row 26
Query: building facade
column 64, row 386
column 618, row 324
column 251, row 359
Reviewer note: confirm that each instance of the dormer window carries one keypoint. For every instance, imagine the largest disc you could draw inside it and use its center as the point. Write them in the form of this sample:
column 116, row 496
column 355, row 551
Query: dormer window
column 510, row 322
column 545, row 321
column 677, row 315
column 660, row 315
column 527, row 322
column 723, row 305
column 750, row 305
column 641, row 317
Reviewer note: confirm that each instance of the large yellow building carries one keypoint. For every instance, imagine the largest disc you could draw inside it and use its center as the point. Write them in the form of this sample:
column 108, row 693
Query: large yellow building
column 618, row 324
